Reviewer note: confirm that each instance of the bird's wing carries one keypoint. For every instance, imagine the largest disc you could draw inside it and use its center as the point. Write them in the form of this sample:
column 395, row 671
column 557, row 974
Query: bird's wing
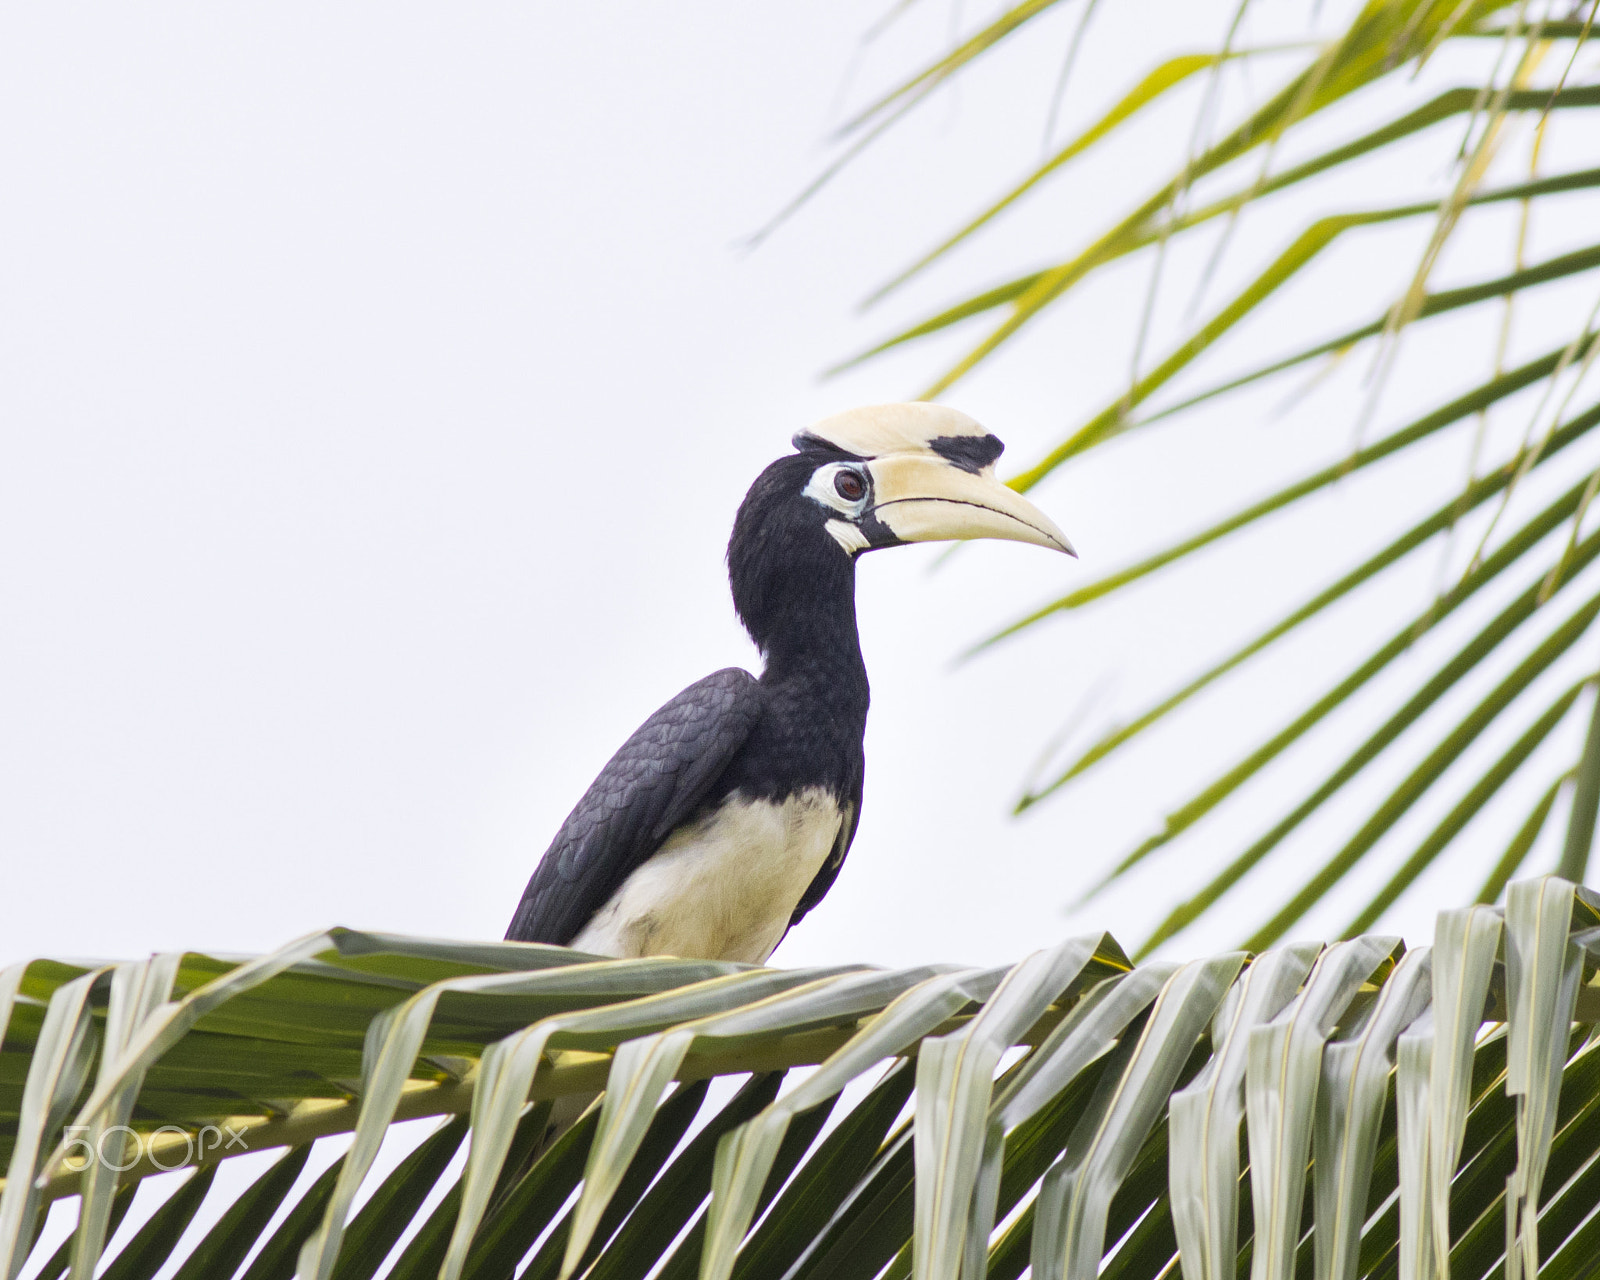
column 655, row 782
column 829, row 872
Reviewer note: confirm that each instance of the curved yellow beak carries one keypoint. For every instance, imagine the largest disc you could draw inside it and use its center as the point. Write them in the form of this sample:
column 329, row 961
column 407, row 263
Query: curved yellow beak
column 920, row 497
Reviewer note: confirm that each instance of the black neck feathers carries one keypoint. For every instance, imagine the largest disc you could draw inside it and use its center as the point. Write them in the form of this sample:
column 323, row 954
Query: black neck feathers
column 794, row 590
column 793, row 585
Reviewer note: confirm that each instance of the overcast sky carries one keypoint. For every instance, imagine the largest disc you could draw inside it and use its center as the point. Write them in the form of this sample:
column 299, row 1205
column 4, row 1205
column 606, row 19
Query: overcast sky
column 379, row 383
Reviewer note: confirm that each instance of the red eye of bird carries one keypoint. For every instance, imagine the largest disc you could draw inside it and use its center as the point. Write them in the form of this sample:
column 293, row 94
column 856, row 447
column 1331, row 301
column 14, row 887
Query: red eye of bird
column 849, row 486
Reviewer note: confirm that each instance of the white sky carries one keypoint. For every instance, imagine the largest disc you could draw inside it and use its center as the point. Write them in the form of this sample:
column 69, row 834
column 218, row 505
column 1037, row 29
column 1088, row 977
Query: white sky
column 378, row 385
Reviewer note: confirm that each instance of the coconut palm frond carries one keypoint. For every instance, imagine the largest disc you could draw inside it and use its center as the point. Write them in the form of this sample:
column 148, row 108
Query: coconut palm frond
column 1308, row 124
column 1075, row 1112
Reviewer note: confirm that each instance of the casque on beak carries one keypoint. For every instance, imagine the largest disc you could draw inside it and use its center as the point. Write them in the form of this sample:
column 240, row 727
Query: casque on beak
column 922, row 497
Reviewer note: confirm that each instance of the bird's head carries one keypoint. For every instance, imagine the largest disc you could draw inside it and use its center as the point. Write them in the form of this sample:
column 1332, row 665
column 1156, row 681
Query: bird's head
column 895, row 473
column 870, row 478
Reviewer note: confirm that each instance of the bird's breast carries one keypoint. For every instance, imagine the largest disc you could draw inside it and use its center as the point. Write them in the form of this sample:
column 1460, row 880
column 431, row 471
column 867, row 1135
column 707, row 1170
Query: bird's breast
column 722, row 886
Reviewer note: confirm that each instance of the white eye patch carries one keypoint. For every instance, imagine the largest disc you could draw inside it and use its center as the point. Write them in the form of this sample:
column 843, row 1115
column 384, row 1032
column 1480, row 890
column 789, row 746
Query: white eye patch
column 827, row 482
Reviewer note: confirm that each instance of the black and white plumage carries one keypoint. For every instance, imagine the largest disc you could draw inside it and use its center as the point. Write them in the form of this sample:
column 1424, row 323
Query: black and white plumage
column 726, row 816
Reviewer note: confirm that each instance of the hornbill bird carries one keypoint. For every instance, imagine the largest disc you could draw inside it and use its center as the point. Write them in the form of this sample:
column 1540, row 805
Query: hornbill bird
column 726, row 816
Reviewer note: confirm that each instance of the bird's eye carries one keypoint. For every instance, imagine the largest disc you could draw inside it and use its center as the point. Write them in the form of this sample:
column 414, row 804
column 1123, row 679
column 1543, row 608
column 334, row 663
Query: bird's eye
column 849, row 486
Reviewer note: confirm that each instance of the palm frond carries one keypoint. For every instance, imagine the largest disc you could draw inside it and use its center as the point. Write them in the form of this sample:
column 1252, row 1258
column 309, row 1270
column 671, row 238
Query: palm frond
column 1074, row 1113
column 1523, row 423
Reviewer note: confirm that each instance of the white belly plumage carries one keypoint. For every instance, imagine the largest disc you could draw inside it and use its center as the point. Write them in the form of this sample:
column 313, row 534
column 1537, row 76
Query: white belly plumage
column 722, row 887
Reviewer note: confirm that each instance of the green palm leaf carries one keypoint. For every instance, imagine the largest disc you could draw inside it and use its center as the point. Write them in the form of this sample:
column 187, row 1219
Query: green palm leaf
column 1307, row 111
column 1074, row 1112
